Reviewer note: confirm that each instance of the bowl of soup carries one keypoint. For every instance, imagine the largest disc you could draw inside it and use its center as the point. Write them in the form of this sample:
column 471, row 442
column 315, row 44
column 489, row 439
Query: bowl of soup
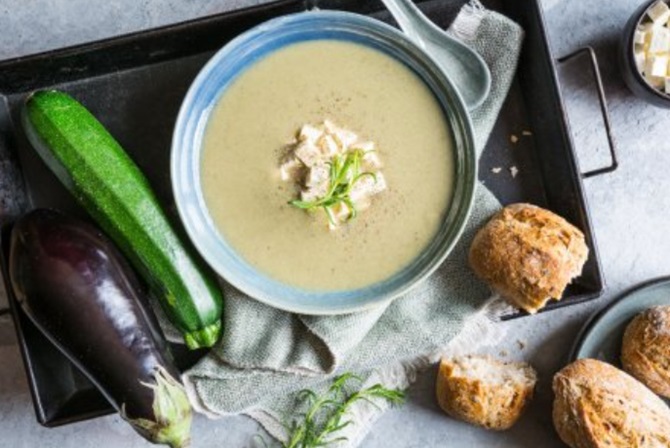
column 322, row 163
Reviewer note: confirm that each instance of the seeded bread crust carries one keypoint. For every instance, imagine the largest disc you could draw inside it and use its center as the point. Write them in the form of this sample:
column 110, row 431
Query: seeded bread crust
column 476, row 401
column 646, row 349
column 528, row 255
column 597, row 405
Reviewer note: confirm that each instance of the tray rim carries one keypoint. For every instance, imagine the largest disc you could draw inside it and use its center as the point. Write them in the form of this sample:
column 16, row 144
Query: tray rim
column 98, row 44
column 568, row 143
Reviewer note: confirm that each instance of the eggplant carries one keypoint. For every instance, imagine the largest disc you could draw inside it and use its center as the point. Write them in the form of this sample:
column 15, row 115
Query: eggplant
column 75, row 286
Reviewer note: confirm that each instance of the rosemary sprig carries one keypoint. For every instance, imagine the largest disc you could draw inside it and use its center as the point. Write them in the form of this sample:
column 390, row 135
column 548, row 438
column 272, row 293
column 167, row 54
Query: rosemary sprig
column 345, row 172
column 325, row 415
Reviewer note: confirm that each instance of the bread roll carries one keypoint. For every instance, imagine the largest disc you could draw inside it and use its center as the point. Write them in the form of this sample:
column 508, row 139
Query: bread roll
column 528, row 255
column 599, row 406
column 646, row 349
column 484, row 391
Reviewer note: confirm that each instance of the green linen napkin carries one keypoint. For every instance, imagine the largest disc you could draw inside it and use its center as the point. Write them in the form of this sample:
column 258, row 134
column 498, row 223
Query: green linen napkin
column 266, row 354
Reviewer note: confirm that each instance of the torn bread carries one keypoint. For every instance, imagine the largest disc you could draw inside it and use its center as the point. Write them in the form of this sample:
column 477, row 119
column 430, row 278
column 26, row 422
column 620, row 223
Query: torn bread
column 484, row 391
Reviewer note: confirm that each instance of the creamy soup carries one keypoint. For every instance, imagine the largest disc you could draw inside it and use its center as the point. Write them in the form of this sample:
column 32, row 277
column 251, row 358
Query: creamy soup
column 363, row 90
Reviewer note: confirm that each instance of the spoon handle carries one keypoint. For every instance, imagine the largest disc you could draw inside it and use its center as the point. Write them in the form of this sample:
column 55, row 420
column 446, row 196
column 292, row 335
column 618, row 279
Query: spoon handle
column 460, row 63
column 408, row 16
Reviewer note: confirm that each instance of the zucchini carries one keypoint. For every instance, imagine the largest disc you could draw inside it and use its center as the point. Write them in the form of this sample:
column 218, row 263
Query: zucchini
column 110, row 186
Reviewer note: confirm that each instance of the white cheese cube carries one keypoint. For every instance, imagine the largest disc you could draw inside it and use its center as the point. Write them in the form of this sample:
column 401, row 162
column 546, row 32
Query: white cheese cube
column 309, row 133
column 371, row 161
column 659, row 13
column 657, row 66
column 347, row 138
column 655, row 81
column 365, row 146
column 362, row 189
column 659, row 41
column 313, row 193
column 640, row 59
column 329, row 146
column 290, row 169
column 344, row 137
column 318, row 175
column 361, row 203
column 308, row 154
column 368, row 186
column 378, row 183
column 639, row 37
column 646, row 27
column 341, row 212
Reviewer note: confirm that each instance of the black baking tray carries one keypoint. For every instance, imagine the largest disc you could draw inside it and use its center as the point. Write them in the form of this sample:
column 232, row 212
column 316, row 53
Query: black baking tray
column 135, row 84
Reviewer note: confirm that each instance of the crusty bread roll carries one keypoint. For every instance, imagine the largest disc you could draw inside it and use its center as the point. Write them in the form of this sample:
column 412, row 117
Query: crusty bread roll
column 646, row 349
column 528, row 255
column 597, row 405
column 484, row 391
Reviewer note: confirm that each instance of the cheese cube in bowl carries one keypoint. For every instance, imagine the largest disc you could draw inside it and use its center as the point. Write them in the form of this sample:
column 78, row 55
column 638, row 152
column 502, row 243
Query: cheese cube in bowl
column 645, row 52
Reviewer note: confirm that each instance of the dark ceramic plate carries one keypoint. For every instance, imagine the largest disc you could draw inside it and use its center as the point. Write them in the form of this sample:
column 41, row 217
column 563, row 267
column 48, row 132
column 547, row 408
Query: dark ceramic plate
column 602, row 335
column 135, row 84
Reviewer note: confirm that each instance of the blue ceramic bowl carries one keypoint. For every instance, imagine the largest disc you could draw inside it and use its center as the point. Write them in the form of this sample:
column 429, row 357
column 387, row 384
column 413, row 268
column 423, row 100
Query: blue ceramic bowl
column 217, row 76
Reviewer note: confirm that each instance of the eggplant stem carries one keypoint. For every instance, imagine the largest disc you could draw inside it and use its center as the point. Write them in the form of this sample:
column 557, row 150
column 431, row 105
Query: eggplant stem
column 172, row 413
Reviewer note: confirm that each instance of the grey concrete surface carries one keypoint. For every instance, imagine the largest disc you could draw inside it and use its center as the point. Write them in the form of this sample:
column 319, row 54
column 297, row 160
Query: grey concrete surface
column 630, row 210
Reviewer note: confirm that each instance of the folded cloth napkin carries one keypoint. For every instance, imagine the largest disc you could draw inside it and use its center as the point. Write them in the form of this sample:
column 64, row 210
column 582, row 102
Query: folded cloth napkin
column 266, row 354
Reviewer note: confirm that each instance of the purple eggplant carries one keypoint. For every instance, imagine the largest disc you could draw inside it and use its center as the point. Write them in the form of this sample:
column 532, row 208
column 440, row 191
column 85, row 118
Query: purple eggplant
column 79, row 291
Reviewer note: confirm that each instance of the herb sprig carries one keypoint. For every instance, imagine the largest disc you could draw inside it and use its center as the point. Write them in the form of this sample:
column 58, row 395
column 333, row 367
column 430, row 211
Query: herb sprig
column 325, row 415
column 345, row 172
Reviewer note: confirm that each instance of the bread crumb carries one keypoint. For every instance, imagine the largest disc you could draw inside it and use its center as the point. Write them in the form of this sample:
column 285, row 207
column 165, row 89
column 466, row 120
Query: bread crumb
column 496, row 170
column 513, row 170
column 513, row 138
column 521, row 344
column 526, row 133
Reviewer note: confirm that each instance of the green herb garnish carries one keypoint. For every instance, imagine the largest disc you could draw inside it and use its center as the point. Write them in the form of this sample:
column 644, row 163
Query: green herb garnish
column 345, row 171
column 325, row 414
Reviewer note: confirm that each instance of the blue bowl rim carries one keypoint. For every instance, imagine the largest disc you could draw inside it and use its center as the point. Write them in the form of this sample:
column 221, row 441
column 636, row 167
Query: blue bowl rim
column 453, row 108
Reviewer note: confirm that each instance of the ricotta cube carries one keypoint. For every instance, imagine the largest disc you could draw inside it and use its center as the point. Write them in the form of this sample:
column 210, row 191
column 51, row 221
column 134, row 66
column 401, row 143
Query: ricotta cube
column 368, row 186
column 659, row 13
column 361, row 203
column 656, row 81
column 371, row 161
column 365, row 146
column 341, row 212
column 308, row 153
column 640, row 59
column 344, row 137
column 646, row 27
column 639, row 37
column 378, row 183
column 309, row 133
column 361, row 189
column 318, row 176
column 313, row 193
column 659, row 41
column 656, row 66
column 329, row 146
column 290, row 169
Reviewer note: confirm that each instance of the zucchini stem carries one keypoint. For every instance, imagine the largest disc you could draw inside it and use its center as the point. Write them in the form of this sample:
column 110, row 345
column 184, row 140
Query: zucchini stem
column 203, row 338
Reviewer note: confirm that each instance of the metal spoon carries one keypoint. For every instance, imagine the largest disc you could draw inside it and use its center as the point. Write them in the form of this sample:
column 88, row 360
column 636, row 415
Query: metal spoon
column 464, row 67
